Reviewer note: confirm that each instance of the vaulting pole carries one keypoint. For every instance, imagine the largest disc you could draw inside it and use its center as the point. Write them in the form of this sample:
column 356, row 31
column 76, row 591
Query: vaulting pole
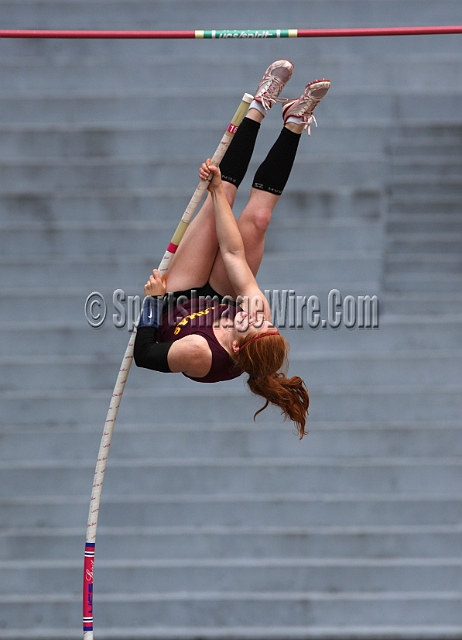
column 231, row 34
column 123, row 375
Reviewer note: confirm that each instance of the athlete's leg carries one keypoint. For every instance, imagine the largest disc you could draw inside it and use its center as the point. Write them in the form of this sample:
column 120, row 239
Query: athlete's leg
column 191, row 265
column 193, row 262
column 269, row 182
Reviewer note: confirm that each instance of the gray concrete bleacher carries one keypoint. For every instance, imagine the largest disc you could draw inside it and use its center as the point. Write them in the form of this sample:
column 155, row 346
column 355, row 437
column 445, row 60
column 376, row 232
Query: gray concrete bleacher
column 213, row 526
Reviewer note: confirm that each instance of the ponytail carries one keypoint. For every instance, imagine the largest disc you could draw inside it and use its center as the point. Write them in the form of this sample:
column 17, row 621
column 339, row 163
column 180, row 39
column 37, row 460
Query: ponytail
column 262, row 360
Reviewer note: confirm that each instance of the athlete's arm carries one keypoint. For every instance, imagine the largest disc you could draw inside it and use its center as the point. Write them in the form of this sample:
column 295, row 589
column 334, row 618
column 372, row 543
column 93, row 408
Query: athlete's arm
column 190, row 355
column 150, row 354
column 231, row 243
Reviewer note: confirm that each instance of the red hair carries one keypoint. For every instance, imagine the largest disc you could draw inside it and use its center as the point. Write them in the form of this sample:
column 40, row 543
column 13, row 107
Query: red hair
column 263, row 360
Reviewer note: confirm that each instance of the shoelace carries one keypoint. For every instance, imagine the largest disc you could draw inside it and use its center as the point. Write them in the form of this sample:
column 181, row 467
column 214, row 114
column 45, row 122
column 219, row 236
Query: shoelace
column 268, row 99
column 308, row 118
column 309, row 121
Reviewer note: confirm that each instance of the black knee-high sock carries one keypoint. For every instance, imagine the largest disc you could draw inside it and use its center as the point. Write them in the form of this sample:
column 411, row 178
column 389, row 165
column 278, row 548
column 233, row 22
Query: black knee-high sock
column 237, row 157
column 273, row 173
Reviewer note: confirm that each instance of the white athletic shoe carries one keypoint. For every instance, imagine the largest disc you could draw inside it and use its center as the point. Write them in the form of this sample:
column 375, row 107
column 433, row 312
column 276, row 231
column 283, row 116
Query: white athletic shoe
column 272, row 83
column 304, row 106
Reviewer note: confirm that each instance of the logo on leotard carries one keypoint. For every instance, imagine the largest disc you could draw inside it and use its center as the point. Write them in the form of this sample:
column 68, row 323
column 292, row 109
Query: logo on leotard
column 191, row 316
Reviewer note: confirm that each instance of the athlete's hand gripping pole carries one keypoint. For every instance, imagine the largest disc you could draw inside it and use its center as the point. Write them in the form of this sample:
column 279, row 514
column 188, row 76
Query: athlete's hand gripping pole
column 123, row 375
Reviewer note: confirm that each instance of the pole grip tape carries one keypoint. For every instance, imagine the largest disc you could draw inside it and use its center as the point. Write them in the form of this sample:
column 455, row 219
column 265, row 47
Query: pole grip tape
column 88, row 569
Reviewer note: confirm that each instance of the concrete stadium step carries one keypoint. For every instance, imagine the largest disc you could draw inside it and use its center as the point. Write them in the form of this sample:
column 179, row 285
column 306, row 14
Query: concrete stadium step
column 392, row 303
column 333, row 403
column 343, row 440
column 152, row 204
column 59, row 304
column 436, row 267
column 443, row 541
column 443, row 279
column 246, row 613
column 146, row 105
column 24, row 75
column 347, row 368
column 266, row 50
column 416, row 243
column 422, row 253
column 437, row 263
column 436, row 223
column 426, row 242
column 425, row 170
column 412, row 138
column 125, row 270
column 151, row 238
column 433, row 166
column 446, row 145
column 254, row 633
column 394, row 333
column 231, row 510
column 439, row 282
column 252, row 575
column 349, row 475
column 424, row 150
column 177, row 138
column 410, row 204
column 149, row 172
column 250, row 615
column 438, row 188
column 445, row 172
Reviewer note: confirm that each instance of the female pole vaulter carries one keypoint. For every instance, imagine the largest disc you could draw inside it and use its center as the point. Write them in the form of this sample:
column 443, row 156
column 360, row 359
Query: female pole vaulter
column 216, row 322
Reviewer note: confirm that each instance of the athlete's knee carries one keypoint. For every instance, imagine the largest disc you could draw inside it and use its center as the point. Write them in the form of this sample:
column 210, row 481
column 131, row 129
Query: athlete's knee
column 261, row 218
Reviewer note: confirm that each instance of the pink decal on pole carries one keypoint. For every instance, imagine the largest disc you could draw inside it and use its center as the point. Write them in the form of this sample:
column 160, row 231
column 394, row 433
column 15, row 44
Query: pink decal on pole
column 88, row 586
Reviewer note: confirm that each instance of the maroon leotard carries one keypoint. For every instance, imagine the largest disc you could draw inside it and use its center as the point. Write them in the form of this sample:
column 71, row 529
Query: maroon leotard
column 196, row 317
